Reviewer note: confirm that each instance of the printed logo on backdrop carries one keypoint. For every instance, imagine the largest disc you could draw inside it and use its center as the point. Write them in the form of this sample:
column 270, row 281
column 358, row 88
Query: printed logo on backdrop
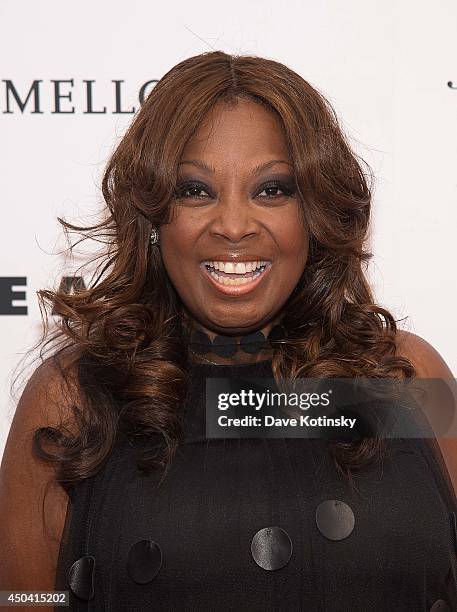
column 58, row 97
column 12, row 290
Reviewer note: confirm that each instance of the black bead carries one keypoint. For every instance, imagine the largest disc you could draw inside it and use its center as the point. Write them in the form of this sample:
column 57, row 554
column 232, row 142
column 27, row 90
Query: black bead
column 440, row 606
column 253, row 343
column 335, row 519
column 276, row 333
column 144, row 561
column 81, row 577
column 271, row 548
column 224, row 346
column 201, row 342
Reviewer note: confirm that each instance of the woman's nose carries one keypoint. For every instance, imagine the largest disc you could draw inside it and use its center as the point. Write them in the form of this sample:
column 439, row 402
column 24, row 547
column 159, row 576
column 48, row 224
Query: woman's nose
column 234, row 218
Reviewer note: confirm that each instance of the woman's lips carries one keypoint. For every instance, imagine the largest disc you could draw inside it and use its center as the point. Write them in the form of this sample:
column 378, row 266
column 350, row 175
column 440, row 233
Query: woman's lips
column 235, row 290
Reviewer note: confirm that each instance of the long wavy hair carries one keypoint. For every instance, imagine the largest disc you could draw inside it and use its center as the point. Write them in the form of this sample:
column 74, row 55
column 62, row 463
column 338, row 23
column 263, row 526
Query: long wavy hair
column 124, row 332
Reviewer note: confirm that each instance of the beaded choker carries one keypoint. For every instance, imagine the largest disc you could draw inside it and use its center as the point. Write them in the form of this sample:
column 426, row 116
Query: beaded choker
column 226, row 346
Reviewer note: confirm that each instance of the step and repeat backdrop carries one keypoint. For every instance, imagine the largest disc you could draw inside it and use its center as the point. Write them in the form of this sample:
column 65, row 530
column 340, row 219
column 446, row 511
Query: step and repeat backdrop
column 73, row 76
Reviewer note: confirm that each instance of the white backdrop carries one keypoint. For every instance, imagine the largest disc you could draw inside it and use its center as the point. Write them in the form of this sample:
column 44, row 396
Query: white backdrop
column 384, row 64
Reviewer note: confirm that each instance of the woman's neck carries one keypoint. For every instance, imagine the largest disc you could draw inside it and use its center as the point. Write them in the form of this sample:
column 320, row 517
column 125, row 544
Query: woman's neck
column 207, row 346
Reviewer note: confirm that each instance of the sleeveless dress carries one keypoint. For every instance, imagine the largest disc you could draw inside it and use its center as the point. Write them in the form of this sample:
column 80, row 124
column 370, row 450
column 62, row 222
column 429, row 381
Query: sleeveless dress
column 261, row 524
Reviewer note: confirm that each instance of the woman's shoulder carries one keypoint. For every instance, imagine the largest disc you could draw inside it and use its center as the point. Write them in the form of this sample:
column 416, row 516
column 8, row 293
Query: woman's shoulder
column 33, row 505
column 429, row 363
column 424, row 356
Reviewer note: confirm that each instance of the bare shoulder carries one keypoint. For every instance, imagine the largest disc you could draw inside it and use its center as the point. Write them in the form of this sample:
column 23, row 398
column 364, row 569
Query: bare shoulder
column 56, row 378
column 425, row 358
column 430, row 364
column 46, row 400
column 33, row 505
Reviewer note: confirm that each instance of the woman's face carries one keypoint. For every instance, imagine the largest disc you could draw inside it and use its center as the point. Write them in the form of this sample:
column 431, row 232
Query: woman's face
column 236, row 246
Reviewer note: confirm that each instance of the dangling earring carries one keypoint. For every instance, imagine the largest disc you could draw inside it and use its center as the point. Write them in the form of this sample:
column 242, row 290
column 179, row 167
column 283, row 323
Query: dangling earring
column 154, row 238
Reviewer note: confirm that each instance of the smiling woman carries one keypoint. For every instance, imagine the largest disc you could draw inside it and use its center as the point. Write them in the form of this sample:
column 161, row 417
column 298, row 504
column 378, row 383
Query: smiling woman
column 236, row 227
column 236, row 206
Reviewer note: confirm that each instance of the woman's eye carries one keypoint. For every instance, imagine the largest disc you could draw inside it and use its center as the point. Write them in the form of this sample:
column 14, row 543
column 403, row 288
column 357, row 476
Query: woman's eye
column 191, row 190
column 271, row 191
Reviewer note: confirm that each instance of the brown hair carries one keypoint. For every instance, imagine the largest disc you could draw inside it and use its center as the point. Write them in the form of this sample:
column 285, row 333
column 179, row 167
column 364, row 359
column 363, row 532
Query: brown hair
column 126, row 326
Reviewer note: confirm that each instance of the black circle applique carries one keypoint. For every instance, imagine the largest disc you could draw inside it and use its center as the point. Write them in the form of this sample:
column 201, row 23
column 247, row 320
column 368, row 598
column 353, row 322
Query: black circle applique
column 335, row 519
column 144, row 561
column 271, row 548
column 81, row 577
column 440, row 606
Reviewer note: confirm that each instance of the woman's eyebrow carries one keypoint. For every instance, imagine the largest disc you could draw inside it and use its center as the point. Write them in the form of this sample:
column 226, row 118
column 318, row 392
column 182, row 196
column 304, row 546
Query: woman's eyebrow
column 256, row 170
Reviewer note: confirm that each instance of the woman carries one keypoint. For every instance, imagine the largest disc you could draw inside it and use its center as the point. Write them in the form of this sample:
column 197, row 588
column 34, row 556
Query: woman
column 237, row 219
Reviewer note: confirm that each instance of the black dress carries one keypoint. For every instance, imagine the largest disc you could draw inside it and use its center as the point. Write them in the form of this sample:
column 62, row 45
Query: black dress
column 261, row 524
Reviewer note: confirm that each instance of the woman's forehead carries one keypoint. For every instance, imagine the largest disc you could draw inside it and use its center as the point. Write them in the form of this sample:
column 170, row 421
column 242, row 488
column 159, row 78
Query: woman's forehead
column 245, row 131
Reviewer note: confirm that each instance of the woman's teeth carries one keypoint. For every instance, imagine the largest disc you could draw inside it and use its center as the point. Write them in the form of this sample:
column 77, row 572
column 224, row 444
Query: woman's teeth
column 240, row 273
